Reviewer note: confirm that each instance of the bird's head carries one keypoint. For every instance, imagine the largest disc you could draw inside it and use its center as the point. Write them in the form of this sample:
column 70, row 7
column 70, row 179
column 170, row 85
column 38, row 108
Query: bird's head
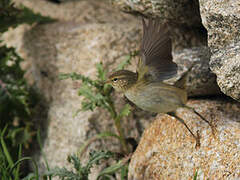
column 122, row 80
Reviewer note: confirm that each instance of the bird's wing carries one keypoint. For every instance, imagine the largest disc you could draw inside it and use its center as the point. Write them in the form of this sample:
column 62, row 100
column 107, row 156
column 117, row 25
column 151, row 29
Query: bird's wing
column 156, row 56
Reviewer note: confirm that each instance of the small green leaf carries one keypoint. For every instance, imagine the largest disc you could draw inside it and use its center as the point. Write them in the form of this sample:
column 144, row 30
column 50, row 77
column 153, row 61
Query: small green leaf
column 101, row 72
column 87, row 92
column 5, row 149
column 75, row 161
column 64, row 173
column 96, row 156
column 86, row 106
column 125, row 111
column 124, row 172
column 196, row 175
column 111, row 169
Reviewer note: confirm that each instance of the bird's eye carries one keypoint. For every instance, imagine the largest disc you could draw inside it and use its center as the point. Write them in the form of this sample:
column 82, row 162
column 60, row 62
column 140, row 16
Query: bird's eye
column 115, row 79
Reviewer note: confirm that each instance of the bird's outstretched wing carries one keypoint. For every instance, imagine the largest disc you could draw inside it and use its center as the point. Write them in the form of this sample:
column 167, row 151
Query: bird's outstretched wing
column 156, row 57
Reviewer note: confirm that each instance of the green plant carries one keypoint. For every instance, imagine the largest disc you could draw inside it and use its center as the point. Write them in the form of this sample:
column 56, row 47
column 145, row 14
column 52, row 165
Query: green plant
column 17, row 98
column 12, row 16
column 195, row 175
column 98, row 94
column 8, row 169
column 81, row 172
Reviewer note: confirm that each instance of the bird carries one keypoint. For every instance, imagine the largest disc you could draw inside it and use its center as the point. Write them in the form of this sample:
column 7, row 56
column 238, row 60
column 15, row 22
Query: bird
column 146, row 87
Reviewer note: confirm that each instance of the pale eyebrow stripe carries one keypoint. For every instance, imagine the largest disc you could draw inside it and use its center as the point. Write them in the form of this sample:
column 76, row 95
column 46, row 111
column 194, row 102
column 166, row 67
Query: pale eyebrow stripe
column 119, row 77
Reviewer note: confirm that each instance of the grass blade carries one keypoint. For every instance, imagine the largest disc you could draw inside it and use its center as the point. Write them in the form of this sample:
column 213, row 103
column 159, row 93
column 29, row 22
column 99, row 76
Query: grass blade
column 27, row 158
column 4, row 146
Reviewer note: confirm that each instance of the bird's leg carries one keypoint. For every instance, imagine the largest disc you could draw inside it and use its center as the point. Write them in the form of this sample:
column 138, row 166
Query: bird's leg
column 213, row 128
column 196, row 137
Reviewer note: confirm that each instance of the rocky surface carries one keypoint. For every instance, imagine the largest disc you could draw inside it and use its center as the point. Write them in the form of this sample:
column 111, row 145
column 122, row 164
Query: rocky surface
column 179, row 12
column 77, row 10
column 201, row 81
column 222, row 21
column 167, row 150
column 91, row 31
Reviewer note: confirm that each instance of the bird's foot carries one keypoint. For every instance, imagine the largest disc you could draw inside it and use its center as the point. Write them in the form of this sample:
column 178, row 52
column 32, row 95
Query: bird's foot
column 197, row 138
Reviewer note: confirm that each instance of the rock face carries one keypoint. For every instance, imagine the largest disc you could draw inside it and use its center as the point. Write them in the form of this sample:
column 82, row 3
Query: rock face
column 167, row 150
column 180, row 12
column 222, row 21
column 201, row 81
column 90, row 31
column 76, row 11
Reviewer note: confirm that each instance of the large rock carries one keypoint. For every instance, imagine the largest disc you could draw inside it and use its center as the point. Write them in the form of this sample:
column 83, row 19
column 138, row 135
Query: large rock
column 179, row 12
column 222, row 21
column 167, row 150
column 201, row 81
column 77, row 11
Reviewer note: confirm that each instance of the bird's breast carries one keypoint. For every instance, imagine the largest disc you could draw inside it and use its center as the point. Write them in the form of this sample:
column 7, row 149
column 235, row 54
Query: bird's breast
column 157, row 97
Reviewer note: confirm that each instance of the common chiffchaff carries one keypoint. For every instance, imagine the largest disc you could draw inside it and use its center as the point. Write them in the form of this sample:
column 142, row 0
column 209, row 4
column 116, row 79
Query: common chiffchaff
column 146, row 88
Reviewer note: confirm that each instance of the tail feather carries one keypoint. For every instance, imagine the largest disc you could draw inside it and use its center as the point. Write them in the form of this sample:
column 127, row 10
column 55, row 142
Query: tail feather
column 182, row 82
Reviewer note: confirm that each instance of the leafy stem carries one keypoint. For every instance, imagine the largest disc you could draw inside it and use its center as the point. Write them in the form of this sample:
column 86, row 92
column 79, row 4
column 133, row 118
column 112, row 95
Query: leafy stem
column 117, row 122
column 98, row 94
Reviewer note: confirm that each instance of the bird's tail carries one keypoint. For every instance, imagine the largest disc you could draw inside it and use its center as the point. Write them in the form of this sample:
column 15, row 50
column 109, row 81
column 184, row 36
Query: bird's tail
column 182, row 82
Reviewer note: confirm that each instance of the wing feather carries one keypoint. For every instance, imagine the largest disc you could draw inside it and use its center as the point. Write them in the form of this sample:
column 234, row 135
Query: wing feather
column 156, row 52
